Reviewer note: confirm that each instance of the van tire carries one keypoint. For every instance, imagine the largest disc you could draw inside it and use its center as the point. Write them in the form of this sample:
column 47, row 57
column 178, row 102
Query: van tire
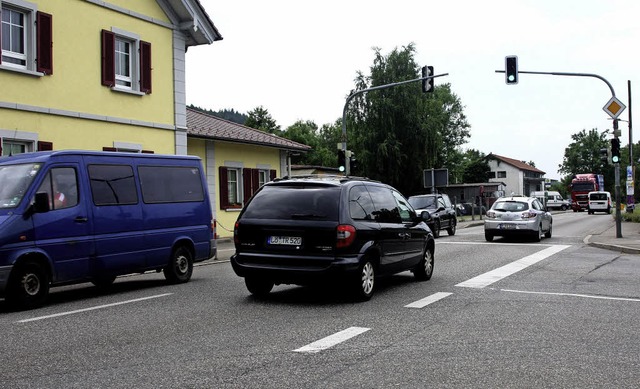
column 424, row 269
column 180, row 266
column 364, row 281
column 28, row 286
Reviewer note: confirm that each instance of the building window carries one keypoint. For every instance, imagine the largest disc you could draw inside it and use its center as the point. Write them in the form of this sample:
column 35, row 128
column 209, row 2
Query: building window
column 126, row 61
column 10, row 147
column 237, row 185
column 26, row 38
column 502, row 174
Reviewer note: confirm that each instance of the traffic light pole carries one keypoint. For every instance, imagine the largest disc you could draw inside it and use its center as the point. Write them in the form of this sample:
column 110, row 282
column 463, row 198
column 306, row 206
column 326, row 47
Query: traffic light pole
column 347, row 167
column 615, row 132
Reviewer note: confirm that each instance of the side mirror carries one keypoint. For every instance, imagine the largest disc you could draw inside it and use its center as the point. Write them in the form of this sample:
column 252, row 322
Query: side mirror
column 41, row 202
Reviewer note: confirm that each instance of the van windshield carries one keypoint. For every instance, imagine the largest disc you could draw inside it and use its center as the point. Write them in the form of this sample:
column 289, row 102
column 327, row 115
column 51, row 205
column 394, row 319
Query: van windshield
column 15, row 181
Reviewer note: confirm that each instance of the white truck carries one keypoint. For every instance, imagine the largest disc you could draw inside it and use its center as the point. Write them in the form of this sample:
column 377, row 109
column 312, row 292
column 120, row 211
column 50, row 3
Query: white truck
column 554, row 199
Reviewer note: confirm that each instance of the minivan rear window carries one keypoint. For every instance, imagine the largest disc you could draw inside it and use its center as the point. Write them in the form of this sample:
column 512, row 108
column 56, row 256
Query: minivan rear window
column 295, row 202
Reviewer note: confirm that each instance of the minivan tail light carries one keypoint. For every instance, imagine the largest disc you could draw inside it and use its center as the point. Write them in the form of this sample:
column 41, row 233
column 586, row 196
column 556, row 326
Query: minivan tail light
column 345, row 234
column 236, row 238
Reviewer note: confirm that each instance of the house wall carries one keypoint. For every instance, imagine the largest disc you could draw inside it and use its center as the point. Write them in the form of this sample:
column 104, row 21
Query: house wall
column 70, row 107
column 514, row 180
column 215, row 154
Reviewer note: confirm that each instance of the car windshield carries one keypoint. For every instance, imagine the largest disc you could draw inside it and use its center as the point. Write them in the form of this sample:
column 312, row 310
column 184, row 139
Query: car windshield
column 295, row 202
column 510, row 206
column 422, row 202
column 14, row 182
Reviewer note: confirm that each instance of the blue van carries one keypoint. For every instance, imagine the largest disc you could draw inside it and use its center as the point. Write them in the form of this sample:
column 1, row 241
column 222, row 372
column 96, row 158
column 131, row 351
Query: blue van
column 87, row 216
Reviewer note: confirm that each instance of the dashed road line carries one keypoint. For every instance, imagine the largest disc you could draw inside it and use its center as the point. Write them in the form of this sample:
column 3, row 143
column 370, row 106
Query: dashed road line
column 428, row 300
column 332, row 340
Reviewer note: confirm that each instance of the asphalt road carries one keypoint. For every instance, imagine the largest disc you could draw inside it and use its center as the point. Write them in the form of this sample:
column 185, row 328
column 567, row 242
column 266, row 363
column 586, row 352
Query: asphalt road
column 504, row 314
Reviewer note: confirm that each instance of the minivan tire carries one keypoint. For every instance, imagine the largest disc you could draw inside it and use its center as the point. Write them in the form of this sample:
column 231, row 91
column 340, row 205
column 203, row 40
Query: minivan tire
column 180, row 266
column 452, row 228
column 436, row 229
column 28, row 286
column 364, row 281
column 424, row 269
column 257, row 286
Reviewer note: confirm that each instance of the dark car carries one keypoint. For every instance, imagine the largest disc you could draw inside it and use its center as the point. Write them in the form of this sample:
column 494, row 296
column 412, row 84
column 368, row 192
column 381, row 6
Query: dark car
column 441, row 211
column 305, row 230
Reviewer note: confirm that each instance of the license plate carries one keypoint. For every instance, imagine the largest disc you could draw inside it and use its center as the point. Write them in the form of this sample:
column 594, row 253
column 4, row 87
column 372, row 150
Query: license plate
column 507, row 226
column 285, row 240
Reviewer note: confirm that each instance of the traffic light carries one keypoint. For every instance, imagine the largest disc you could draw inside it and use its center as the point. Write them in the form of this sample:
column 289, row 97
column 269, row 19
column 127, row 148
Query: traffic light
column 604, row 155
column 427, row 84
column 615, row 150
column 511, row 69
column 353, row 162
column 342, row 164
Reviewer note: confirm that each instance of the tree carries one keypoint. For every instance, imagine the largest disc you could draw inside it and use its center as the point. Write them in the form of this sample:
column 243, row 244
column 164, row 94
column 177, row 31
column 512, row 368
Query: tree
column 398, row 132
column 261, row 119
column 583, row 156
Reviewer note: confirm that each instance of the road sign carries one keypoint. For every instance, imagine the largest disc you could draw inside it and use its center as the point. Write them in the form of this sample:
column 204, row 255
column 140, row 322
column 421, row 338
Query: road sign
column 614, row 107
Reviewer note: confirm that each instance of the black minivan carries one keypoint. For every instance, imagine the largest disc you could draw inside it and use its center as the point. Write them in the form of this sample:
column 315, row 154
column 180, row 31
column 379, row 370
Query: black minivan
column 312, row 229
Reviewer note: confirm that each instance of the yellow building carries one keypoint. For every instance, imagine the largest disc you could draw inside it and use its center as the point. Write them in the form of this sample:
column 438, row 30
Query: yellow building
column 238, row 160
column 97, row 75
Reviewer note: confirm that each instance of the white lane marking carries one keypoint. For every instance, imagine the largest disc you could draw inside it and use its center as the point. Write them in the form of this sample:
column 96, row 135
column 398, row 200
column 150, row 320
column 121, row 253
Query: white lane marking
column 93, row 308
column 495, row 275
column 574, row 295
column 494, row 243
column 428, row 300
column 332, row 340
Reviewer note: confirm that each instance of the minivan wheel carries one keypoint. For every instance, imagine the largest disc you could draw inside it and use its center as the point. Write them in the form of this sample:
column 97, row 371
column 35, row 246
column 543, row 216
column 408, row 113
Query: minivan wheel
column 364, row 283
column 424, row 269
column 28, row 286
column 258, row 286
column 180, row 266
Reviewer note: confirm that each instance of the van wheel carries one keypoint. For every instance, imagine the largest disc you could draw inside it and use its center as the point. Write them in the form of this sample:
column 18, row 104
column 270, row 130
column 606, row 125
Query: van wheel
column 424, row 269
column 28, row 286
column 365, row 281
column 257, row 286
column 180, row 266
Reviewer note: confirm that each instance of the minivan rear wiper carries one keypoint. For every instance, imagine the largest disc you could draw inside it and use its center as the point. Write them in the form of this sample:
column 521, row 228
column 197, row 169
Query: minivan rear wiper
column 307, row 216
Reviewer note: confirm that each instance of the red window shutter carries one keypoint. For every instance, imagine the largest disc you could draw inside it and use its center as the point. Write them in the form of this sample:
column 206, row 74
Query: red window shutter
column 108, row 58
column 45, row 146
column 224, row 187
column 272, row 175
column 145, row 67
column 44, row 36
column 247, row 185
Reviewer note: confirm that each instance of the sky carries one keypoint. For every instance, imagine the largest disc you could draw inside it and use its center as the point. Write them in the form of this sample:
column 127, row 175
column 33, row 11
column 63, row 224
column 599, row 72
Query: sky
column 299, row 60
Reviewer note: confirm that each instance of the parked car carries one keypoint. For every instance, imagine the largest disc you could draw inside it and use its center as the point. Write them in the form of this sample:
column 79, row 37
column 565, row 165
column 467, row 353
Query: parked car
column 518, row 215
column 441, row 211
column 554, row 199
column 472, row 209
column 321, row 228
column 599, row 202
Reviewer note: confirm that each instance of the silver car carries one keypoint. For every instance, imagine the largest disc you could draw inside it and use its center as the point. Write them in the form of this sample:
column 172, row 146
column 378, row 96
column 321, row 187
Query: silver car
column 518, row 215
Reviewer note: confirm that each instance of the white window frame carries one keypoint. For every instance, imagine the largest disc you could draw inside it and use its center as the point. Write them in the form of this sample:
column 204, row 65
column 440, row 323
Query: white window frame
column 234, row 184
column 129, row 82
column 263, row 177
column 28, row 10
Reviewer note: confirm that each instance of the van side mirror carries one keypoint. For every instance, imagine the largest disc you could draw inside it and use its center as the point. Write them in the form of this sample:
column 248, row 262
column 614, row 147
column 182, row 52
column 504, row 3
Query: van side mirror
column 41, row 202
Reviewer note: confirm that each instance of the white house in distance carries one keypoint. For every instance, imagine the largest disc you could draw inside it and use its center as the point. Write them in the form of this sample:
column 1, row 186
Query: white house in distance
column 520, row 178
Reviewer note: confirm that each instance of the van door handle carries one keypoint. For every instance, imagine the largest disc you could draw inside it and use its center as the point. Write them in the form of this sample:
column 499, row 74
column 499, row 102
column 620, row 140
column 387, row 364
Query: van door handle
column 80, row 219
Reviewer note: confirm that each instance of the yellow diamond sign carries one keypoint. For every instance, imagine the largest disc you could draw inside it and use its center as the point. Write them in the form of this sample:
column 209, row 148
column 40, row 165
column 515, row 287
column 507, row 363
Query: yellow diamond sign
column 614, row 107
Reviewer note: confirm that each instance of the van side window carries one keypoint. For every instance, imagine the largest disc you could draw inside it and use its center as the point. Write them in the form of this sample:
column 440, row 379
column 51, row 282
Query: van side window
column 112, row 185
column 61, row 185
column 170, row 184
column 360, row 203
column 385, row 203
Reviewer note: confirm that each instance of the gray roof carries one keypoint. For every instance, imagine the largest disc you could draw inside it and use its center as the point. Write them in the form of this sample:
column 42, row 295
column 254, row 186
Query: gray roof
column 202, row 125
